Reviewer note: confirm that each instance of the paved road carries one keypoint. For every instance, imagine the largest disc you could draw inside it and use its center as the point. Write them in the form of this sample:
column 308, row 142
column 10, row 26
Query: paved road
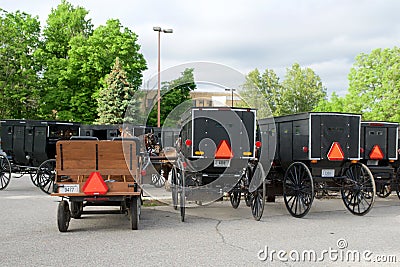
column 213, row 235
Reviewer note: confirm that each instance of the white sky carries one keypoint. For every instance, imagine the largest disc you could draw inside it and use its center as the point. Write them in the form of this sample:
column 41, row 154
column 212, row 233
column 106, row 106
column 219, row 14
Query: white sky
column 325, row 35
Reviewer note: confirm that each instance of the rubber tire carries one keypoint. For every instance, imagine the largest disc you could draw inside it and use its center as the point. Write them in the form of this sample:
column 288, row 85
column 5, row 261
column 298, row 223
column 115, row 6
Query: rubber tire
column 76, row 209
column 63, row 216
column 134, row 213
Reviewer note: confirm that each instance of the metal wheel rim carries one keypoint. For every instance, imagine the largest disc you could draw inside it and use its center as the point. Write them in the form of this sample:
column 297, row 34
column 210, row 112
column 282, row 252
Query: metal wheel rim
column 298, row 189
column 358, row 192
column 46, row 176
column 5, row 172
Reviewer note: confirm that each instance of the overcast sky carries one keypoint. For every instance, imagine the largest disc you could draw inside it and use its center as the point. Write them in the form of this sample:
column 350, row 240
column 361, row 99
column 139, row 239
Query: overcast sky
column 325, row 35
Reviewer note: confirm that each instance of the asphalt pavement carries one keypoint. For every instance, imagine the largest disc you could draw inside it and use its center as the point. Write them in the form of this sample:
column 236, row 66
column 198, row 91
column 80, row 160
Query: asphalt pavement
column 213, row 235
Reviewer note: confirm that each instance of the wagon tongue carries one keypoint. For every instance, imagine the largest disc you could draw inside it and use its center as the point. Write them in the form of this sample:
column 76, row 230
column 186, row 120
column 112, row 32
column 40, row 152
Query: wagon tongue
column 95, row 185
column 336, row 152
column 224, row 150
column 376, row 153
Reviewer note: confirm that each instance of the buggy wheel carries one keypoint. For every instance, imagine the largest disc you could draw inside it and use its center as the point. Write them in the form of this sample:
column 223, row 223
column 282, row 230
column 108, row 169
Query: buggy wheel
column 258, row 202
column 5, row 172
column 384, row 190
column 46, row 175
column 34, row 179
column 157, row 180
column 181, row 189
column 358, row 192
column 248, row 198
column 298, row 189
column 63, row 216
column 134, row 213
column 397, row 183
column 76, row 209
column 174, row 188
column 235, row 196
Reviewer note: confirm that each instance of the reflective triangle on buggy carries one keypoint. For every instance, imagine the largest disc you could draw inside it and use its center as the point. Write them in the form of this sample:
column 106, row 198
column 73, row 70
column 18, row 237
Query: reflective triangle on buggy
column 95, row 185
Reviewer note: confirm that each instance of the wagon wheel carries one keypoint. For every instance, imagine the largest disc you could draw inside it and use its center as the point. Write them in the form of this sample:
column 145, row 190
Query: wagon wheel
column 182, row 194
column 157, row 180
column 358, row 191
column 258, row 201
column 174, row 189
column 247, row 195
column 134, row 213
column 46, row 175
column 235, row 196
column 384, row 191
column 76, row 209
column 63, row 216
column 34, row 178
column 298, row 189
column 397, row 182
column 5, row 172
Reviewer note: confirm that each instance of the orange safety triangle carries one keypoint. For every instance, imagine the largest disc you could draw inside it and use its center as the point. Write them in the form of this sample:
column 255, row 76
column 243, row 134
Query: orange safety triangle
column 376, row 153
column 224, row 151
column 95, row 185
column 336, row 152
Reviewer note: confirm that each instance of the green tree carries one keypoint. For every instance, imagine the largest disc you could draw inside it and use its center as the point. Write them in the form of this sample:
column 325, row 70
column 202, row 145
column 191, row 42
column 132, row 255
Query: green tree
column 91, row 59
column 374, row 82
column 115, row 97
column 19, row 40
column 64, row 23
column 302, row 90
column 334, row 104
column 173, row 93
column 262, row 91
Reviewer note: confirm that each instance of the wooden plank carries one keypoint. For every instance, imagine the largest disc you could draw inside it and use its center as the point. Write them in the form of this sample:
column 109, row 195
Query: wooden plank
column 114, row 189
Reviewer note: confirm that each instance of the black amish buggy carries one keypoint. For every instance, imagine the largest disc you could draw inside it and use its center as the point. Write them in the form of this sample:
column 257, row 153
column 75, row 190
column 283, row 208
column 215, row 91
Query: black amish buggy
column 101, row 132
column 31, row 148
column 215, row 148
column 317, row 152
column 379, row 151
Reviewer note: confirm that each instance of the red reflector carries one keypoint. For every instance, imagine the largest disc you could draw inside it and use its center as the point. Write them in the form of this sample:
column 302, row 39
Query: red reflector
column 223, row 151
column 305, row 149
column 336, row 152
column 143, row 172
column 376, row 153
column 95, row 185
column 362, row 150
column 258, row 144
column 188, row 142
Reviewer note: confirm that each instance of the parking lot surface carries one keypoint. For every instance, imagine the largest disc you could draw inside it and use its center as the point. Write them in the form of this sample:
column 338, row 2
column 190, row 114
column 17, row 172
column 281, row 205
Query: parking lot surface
column 213, row 235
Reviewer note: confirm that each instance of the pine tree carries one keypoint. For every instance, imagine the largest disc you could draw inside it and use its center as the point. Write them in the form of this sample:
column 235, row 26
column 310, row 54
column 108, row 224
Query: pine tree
column 116, row 97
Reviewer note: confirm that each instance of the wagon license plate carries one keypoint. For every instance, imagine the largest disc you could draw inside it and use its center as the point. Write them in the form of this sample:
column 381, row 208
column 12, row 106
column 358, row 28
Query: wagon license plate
column 69, row 188
column 222, row 163
column 328, row 172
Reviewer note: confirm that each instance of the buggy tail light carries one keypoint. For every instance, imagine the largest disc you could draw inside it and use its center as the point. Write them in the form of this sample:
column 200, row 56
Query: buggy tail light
column 376, row 153
column 258, row 144
column 305, row 149
column 224, row 150
column 362, row 150
column 335, row 152
column 188, row 142
column 143, row 172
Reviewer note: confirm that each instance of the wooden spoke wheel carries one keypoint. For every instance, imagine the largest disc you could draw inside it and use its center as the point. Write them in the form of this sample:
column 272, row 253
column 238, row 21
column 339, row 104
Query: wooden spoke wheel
column 257, row 202
column 358, row 191
column 134, row 212
column 34, row 179
column 182, row 198
column 63, row 216
column 235, row 196
column 384, row 191
column 157, row 180
column 76, row 209
column 247, row 195
column 397, row 182
column 5, row 172
column 298, row 189
column 174, row 188
column 248, row 198
column 46, row 175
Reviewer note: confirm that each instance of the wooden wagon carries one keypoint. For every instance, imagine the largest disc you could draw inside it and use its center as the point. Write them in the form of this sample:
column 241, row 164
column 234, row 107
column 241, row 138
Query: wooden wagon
column 98, row 173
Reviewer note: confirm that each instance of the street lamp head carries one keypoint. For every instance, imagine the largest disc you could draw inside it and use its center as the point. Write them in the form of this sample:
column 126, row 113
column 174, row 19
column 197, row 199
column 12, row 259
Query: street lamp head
column 168, row 31
column 157, row 29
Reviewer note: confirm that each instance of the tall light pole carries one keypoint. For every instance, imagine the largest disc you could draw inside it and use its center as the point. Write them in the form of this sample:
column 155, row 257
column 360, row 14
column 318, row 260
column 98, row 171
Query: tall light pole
column 232, row 90
column 159, row 30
